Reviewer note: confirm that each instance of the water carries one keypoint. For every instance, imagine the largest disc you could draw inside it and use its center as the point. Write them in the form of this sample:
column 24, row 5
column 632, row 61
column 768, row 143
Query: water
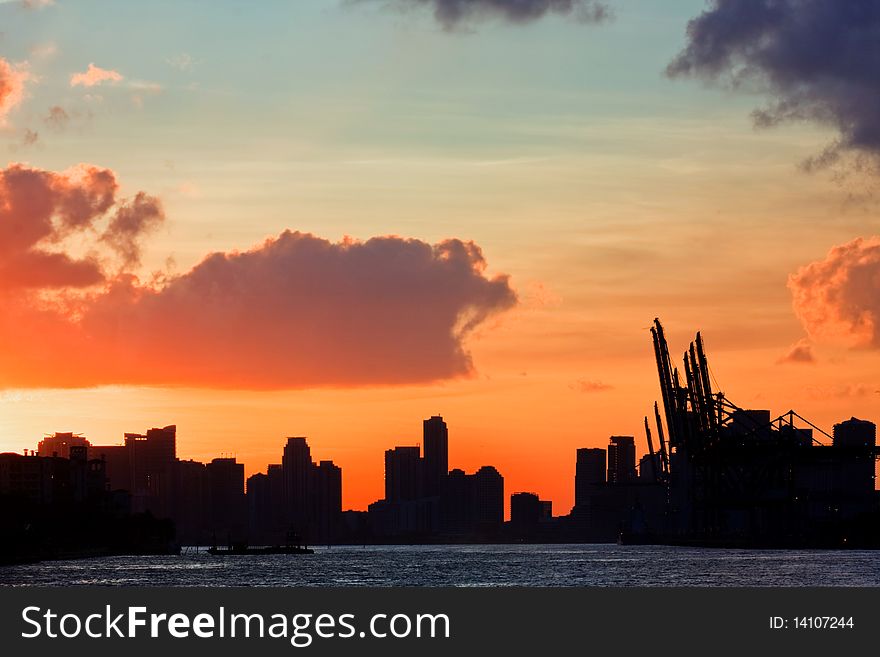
column 470, row 565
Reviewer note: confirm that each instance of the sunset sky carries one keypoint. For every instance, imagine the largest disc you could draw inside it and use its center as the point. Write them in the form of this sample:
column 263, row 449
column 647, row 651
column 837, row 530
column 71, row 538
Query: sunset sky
column 486, row 210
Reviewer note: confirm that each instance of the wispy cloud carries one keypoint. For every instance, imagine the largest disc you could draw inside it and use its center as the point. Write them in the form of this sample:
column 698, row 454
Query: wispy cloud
column 93, row 76
column 590, row 385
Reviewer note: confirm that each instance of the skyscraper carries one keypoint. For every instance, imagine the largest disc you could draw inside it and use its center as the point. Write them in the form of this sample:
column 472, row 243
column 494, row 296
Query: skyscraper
column 436, row 445
column 403, row 474
column 621, row 459
column 225, row 477
column 327, row 495
column 151, row 458
column 296, row 465
column 488, row 502
column 589, row 471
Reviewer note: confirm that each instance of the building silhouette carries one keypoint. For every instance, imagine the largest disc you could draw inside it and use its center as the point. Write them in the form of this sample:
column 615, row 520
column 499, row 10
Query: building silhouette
column 54, row 508
column 59, row 444
column 227, row 508
column 404, row 474
column 527, row 510
column 192, row 514
column 296, row 467
column 472, row 504
column 621, row 459
column 590, row 471
column 435, row 436
column 296, row 500
column 327, row 496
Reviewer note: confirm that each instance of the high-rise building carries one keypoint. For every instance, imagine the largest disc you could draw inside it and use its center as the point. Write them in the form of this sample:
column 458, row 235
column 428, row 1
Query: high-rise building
column 191, row 511
column 327, row 495
column 621, row 459
column 589, row 471
column 436, row 446
column 225, row 477
column 296, row 465
column 259, row 503
column 151, row 459
column 472, row 503
column 488, row 498
column 403, row 474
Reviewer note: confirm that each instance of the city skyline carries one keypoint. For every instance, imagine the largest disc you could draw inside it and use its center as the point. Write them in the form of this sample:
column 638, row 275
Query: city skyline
column 328, row 218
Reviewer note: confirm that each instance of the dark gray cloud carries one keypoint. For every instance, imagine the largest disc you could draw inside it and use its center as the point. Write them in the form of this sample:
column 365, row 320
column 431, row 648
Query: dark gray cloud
column 815, row 60
column 452, row 14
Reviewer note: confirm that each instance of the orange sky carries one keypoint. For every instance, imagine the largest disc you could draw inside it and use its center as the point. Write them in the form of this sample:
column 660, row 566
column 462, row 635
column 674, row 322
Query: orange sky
column 262, row 245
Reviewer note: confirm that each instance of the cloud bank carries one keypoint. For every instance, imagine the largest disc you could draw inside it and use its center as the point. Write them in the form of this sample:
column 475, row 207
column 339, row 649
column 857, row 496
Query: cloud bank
column 815, row 60
column 838, row 298
column 452, row 14
column 295, row 311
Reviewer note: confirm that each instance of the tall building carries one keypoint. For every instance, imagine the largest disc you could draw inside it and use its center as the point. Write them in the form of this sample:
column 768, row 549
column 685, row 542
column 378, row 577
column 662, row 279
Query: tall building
column 296, row 465
column 225, row 477
column 259, row 503
column 151, row 459
column 488, row 498
column 403, row 474
column 436, row 446
column 191, row 512
column 327, row 495
column 621, row 459
column 589, row 471
column 472, row 503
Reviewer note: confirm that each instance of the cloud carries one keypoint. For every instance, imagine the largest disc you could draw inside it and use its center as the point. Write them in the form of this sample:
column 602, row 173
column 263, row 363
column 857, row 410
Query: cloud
column 585, row 385
column 841, row 391
column 131, row 222
column 43, row 50
column 40, row 211
column 800, row 352
column 93, row 76
column 294, row 311
column 37, row 4
column 182, row 62
column 57, row 118
column 30, row 137
column 452, row 14
column 815, row 60
column 838, row 298
column 12, row 82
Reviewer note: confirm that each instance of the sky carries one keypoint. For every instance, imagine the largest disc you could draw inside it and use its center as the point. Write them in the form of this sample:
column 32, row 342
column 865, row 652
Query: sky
column 337, row 218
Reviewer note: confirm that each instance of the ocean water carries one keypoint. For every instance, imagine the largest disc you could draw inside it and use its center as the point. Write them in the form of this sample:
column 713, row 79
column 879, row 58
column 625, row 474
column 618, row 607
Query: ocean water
column 469, row 565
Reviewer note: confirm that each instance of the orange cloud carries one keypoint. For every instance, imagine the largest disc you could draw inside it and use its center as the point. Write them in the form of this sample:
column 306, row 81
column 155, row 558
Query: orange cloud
column 295, row 311
column 800, row 352
column 93, row 76
column 587, row 385
column 40, row 210
column 12, row 81
column 839, row 297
